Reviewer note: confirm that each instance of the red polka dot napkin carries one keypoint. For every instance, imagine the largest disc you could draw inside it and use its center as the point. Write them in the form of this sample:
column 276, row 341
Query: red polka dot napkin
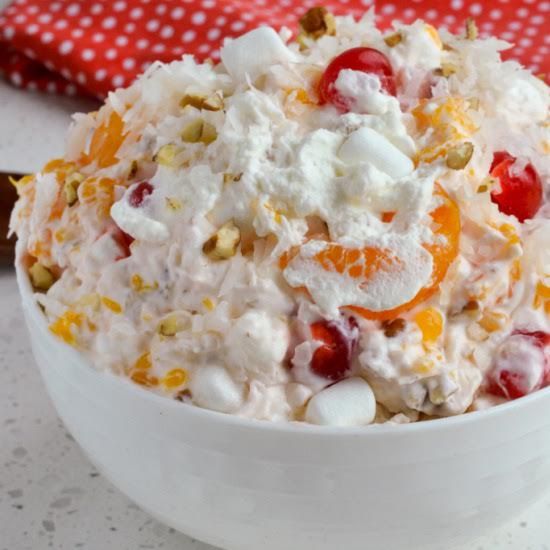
column 91, row 47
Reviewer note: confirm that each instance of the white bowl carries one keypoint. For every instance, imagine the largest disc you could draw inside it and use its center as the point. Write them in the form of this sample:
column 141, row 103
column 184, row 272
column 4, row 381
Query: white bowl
column 245, row 485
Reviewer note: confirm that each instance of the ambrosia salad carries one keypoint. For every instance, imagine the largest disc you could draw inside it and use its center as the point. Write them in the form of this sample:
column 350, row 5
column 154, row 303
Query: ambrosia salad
column 349, row 228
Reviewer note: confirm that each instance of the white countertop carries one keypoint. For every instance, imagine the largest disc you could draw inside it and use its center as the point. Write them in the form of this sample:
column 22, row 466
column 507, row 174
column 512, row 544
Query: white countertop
column 50, row 495
column 32, row 127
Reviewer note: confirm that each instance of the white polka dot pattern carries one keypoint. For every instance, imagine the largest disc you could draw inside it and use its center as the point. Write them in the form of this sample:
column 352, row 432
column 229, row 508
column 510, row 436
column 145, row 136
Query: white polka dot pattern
column 76, row 47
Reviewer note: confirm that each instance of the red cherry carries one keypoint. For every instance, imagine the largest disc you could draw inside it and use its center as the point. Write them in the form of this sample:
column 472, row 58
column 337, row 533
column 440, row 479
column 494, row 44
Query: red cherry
column 541, row 340
column 539, row 337
column 333, row 358
column 500, row 156
column 521, row 188
column 138, row 194
column 509, row 384
column 513, row 381
column 367, row 60
column 124, row 241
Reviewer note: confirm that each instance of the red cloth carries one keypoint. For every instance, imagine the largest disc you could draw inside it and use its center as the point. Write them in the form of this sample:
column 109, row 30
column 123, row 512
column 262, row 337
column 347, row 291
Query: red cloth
column 93, row 46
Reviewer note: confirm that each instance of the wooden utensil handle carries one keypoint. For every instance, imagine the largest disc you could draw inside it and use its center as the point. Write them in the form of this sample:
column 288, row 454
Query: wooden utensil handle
column 8, row 196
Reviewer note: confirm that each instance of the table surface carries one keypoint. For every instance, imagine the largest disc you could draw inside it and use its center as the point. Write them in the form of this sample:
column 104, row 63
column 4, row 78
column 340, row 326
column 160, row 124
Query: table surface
column 50, row 495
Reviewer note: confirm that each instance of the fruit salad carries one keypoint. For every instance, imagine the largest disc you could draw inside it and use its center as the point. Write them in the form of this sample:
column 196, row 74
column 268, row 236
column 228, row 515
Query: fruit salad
column 340, row 226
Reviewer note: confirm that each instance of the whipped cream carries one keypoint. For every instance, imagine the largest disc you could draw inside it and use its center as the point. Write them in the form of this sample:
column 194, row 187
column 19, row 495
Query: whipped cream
column 137, row 223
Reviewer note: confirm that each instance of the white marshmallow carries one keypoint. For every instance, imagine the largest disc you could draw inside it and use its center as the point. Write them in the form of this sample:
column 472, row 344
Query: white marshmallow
column 347, row 403
column 367, row 145
column 136, row 223
column 254, row 52
column 212, row 388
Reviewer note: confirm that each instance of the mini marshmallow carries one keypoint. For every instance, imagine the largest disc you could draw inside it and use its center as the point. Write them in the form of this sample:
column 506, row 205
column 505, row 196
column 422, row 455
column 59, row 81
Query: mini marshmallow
column 212, row 388
column 254, row 52
column 347, row 403
column 367, row 145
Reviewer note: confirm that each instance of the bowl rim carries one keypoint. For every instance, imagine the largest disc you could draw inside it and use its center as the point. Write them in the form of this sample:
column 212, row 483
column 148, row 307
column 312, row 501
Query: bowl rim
column 253, row 424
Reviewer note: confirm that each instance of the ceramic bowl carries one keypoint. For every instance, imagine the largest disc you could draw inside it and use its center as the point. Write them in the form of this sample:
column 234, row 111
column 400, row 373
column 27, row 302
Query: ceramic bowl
column 247, row 485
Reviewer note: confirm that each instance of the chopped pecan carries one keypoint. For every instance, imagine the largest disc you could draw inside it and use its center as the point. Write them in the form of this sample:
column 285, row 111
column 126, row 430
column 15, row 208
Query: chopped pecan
column 317, row 22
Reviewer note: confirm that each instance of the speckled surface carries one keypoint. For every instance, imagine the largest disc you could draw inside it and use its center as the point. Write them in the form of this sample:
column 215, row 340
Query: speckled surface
column 50, row 495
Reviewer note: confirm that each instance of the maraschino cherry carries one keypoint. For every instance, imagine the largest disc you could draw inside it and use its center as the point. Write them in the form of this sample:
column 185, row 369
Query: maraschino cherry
column 367, row 60
column 520, row 192
column 332, row 359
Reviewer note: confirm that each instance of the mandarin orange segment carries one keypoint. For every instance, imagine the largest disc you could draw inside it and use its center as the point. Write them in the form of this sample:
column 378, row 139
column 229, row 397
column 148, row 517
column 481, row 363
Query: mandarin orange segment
column 430, row 323
column 364, row 263
column 106, row 141
column 287, row 257
column 449, row 118
column 54, row 165
column 449, row 123
column 356, row 263
column 446, row 228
